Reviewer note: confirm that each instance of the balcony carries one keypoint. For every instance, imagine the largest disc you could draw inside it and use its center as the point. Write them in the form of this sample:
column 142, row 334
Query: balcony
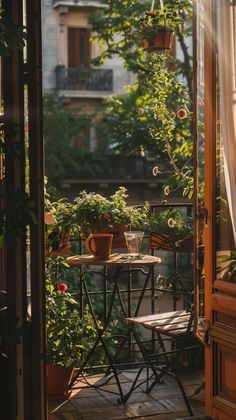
column 77, row 3
column 84, row 79
column 165, row 402
column 111, row 170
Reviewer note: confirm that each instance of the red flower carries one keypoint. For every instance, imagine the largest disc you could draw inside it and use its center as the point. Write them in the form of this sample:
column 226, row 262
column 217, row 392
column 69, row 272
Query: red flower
column 62, row 287
column 106, row 216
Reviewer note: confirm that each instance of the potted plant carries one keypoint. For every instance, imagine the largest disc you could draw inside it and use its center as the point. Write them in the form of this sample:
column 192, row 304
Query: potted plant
column 157, row 27
column 170, row 229
column 68, row 337
column 59, row 227
column 95, row 213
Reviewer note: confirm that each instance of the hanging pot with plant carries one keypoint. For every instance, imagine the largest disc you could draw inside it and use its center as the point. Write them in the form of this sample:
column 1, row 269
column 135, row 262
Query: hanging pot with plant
column 157, row 28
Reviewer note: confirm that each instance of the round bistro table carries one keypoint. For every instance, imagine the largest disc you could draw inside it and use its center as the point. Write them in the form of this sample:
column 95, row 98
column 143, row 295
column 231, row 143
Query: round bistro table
column 119, row 263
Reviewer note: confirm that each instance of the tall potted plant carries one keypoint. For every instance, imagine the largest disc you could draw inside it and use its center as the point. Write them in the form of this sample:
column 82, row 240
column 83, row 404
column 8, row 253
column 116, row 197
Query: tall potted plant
column 68, row 337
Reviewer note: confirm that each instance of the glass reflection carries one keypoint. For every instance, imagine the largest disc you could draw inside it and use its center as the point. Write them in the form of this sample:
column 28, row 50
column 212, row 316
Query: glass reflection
column 225, row 228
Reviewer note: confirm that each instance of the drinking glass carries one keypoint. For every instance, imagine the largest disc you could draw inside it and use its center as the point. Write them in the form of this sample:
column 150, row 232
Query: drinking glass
column 133, row 242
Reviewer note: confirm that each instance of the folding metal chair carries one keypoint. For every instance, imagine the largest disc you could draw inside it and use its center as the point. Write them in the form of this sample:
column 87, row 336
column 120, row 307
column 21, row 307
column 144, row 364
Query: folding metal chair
column 177, row 326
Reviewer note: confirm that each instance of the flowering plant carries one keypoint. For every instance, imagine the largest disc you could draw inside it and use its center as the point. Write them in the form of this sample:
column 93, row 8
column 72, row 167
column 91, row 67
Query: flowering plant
column 68, row 336
column 58, row 223
column 94, row 212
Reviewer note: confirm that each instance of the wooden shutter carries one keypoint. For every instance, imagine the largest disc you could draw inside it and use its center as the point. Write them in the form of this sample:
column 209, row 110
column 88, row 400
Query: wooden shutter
column 78, row 47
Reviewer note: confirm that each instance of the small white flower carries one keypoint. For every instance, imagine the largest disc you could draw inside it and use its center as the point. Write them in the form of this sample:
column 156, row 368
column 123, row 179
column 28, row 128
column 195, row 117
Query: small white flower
column 171, row 222
column 155, row 171
column 167, row 190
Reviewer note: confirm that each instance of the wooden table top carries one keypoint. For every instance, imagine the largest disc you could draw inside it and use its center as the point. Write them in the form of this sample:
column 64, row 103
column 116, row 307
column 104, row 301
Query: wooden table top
column 115, row 259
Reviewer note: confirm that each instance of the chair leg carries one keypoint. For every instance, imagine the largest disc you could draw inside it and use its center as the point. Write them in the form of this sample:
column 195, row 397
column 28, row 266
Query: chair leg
column 125, row 397
column 158, row 376
column 182, row 391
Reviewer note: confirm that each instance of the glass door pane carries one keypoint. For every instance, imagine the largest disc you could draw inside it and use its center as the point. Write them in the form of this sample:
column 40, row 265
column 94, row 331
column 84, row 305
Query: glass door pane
column 225, row 203
column 199, row 175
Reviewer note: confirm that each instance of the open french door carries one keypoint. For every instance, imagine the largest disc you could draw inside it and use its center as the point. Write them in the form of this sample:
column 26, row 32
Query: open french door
column 215, row 174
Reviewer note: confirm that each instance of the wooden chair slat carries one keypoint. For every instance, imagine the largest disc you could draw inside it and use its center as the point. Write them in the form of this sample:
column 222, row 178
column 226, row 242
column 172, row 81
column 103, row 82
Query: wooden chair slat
column 161, row 323
column 156, row 317
column 165, row 327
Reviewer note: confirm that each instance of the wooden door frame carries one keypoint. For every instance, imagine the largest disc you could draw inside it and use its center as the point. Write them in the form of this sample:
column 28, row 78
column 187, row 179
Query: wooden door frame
column 219, row 295
column 208, row 234
column 26, row 355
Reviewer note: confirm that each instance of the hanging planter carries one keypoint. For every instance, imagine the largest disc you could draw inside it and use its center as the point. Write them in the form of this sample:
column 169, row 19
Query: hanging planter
column 157, row 38
column 157, row 28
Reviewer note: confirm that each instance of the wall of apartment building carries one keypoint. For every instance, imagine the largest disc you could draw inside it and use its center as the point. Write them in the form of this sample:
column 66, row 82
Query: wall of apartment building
column 55, row 44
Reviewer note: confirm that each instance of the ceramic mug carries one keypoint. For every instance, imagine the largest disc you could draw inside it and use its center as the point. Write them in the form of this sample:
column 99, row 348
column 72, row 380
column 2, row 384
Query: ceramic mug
column 99, row 244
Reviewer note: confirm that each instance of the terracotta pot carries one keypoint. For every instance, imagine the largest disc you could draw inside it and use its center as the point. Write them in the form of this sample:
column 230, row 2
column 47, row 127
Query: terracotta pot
column 58, row 378
column 158, row 41
column 168, row 243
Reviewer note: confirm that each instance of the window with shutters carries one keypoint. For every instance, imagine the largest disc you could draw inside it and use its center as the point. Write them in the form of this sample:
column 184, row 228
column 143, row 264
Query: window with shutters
column 78, row 47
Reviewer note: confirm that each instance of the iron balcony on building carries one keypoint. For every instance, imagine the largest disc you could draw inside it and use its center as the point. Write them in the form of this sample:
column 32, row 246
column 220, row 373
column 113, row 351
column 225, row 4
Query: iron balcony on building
column 77, row 3
column 84, row 78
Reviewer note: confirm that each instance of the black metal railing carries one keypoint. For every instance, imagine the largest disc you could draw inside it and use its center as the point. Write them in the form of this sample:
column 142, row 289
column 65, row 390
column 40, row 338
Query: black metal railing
column 69, row 2
column 131, row 167
column 118, row 167
column 84, row 79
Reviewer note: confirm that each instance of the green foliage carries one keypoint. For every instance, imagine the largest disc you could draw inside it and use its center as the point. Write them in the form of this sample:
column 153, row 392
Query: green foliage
column 94, row 211
column 62, row 128
column 167, row 17
column 116, row 27
column 229, row 267
column 155, row 117
column 11, row 36
column 63, row 212
column 172, row 112
column 171, row 222
column 68, row 336
column 127, row 122
column 149, row 118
